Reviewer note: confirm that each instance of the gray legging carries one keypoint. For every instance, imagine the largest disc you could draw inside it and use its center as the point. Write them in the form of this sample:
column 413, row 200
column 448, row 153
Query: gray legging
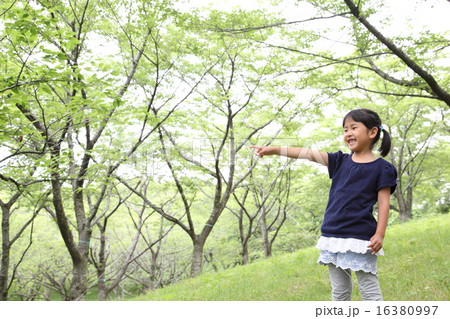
column 341, row 284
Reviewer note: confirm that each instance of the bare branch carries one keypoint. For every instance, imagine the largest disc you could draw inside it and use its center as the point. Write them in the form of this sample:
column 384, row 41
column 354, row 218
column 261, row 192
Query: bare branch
column 159, row 210
column 277, row 24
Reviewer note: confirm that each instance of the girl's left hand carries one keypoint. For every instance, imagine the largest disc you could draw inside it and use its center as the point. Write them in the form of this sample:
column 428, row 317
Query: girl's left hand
column 376, row 243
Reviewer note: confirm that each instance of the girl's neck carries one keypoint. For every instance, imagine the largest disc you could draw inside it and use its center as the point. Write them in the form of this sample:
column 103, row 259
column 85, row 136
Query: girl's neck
column 363, row 156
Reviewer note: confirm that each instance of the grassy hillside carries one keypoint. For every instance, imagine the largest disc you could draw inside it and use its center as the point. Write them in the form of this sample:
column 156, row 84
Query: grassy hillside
column 415, row 268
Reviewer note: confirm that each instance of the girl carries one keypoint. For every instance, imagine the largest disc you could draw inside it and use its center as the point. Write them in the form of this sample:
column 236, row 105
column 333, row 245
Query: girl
column 351, row 237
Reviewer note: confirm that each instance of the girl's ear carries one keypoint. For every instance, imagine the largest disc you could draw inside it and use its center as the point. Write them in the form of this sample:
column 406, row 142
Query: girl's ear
column 373, row 132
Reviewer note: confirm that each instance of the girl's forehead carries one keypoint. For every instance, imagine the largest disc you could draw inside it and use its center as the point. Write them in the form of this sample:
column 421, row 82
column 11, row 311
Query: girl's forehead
column 349, row 121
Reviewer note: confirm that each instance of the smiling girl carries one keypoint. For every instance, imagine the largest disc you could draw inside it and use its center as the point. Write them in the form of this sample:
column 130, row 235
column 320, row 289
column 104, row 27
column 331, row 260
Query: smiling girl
column 351, row 237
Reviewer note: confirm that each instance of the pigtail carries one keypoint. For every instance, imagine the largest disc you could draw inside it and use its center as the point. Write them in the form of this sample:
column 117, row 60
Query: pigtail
column 385, row 146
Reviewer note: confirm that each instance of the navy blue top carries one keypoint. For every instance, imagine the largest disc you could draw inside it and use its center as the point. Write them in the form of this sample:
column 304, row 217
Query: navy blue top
column 353, row 193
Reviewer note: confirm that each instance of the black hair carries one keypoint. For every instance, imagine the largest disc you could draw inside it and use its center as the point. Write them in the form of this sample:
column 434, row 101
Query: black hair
column 371, row 119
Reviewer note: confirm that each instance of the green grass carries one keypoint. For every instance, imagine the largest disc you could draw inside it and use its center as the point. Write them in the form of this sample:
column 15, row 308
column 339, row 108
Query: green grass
column 415, row 268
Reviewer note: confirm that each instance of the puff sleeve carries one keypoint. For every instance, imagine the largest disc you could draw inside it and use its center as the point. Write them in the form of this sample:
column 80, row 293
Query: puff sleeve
column 388, row 177
column 334, row 161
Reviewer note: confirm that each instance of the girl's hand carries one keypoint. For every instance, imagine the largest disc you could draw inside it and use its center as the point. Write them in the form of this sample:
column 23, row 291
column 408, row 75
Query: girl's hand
column 264, row 150
column 376, row 243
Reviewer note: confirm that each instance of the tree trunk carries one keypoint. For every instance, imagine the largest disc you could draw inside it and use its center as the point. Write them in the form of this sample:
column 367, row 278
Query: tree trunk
column 78, row 284
column 245, row 252
column 409, row 202
column 102, row 290
column 244, row 237
column 6, row 245
column 197, row 257
column 4, row 268
column 78, row 287
column 404, row 205
column 265, row 234
column 78, row 254
column 154, row 281
column 101, row 268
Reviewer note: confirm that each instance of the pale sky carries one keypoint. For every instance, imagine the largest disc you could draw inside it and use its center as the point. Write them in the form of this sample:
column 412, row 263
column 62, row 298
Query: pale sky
column 431, row 13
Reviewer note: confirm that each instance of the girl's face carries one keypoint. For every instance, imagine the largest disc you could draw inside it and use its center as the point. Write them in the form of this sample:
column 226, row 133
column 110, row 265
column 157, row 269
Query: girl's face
column 357, row 136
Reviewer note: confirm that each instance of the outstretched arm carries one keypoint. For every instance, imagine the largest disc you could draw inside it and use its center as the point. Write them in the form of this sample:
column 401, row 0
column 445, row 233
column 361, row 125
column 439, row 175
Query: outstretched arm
column 292, row 152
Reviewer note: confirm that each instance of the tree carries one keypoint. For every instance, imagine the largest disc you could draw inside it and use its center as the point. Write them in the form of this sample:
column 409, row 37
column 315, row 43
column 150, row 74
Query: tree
column 429, row 83
column 246, row 221
column 234, row 75
column 8, row 241
column 20, row 159
column 110, row 273
column 265, row 199
column 76, row 99
column 370, row 45
column 416, row 133
column 277, row 206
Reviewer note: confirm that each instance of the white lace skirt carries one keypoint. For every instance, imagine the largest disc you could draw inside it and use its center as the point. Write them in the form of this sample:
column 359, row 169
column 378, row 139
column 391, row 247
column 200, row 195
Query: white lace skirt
column 347, row 253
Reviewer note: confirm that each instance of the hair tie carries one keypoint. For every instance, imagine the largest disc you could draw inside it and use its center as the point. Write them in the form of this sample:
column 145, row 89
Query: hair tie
column 381, row 128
